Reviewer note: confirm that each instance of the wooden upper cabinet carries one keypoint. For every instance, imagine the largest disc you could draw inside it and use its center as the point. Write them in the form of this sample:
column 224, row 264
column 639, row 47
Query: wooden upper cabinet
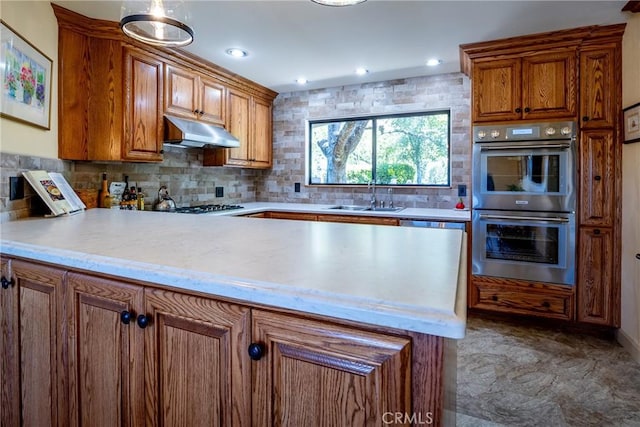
column 194, row 96
column 597, row 178
column 32, row 379
column 315, row 373
column 250, row 120
column 598, row 87
column 540, row 86
column 143, row 109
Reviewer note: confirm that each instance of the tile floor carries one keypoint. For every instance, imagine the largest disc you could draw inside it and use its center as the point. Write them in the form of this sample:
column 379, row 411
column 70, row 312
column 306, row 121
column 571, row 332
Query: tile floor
column 514, row 375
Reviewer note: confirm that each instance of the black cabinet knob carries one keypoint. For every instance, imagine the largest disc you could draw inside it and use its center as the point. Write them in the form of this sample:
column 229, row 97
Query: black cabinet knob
column 546, row 304
column 585, row 118
column 196, row 111
column 596, row 231
column 637, row 256
column 597, row 177
column 494, row 297
column 518, row 110
column 256, row 351
column 6, row 283
column 527, row 109
column 126, row 317
column 143, row 321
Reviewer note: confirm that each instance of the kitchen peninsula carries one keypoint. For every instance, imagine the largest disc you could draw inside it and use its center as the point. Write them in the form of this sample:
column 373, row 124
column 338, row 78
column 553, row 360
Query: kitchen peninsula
column 253, row 322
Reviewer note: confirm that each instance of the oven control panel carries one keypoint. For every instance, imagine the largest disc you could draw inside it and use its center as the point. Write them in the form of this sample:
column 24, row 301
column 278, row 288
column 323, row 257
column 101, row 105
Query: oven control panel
column 525, row 132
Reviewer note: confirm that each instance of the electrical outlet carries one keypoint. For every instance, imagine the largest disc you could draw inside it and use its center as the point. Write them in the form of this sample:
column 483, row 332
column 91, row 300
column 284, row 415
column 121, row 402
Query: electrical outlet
column 16, row 187
column 296, row 187
column 219, row 191
column 462, row 190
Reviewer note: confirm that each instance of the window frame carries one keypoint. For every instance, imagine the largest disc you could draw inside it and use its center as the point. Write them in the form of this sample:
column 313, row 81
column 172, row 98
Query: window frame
column 374, row 118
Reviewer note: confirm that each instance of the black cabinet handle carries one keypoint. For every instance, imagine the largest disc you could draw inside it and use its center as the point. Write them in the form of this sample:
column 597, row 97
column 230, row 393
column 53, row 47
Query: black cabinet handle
column 126, row 317
column 585, row 118
column 256, row 351
column 527, row 109
column 494, row 297
column 597, row 177
column 596, row 231
column 518, row 110
column 6, row 283
column 143, row 321
column 637, row 256
column 196, row 111
column 546, row 304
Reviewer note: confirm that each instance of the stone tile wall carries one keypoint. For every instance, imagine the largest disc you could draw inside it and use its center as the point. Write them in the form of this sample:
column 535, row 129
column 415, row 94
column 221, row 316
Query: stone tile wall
column 188, row 182
column 291, row 110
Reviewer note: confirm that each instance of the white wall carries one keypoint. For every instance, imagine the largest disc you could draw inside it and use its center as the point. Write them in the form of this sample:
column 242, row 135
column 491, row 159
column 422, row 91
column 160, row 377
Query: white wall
column 629, row 334
column 35, row 22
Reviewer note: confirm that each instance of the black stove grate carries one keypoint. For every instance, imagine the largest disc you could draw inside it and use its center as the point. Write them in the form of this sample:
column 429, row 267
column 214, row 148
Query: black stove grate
column 207, row 208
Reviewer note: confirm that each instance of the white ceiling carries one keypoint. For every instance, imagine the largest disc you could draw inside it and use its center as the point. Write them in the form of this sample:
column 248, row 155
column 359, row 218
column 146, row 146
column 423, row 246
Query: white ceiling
column 391, row 38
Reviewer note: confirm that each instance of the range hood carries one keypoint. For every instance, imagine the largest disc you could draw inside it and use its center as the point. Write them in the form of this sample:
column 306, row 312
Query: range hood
column 192, row 133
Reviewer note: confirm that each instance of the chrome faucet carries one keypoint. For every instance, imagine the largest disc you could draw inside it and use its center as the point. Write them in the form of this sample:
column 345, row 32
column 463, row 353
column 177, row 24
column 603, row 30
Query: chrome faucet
column 372, row 187
column 390, row 192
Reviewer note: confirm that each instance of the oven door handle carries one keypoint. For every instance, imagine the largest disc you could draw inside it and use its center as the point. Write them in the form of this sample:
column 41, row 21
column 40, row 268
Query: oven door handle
column 524, row 218
column 511, row 146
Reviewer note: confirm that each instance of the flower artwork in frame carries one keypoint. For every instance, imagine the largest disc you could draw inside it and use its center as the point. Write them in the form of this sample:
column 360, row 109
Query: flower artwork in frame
column 25, row 75
column 631, row 124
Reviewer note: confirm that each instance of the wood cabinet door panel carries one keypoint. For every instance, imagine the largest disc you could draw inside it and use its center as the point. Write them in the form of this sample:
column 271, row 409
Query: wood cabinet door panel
column 315, row 373
column 262, row 147
column 181, row 92
column 597, row 178
column 196, row 356
column 212, row 101
column 238, row 126
column 549, row 85
column 595, row 276
column 105, row 355
column 9, row 405
column 32, row 349
column 496, row 90
column 143, row 136
column 597, row 88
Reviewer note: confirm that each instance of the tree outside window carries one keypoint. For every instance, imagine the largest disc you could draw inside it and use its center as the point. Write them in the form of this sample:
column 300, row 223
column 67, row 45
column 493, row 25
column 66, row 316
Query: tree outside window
column 409, row 149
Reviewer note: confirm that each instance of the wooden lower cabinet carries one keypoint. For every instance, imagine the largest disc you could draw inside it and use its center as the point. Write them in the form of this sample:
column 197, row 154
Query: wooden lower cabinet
column 180, row 365
column 33, row 374
column 318, row 374
column 521, row 297
column 351, row 219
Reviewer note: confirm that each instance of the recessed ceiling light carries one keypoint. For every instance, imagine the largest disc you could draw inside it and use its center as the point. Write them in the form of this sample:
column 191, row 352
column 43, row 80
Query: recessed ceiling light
column 361, row 71
column 237, row 52
column 434, row 62
column 338, row 2
column 301, row 81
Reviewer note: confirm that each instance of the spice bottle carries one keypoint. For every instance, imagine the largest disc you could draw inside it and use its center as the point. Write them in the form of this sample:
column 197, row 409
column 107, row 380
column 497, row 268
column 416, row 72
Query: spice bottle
column 140, row 199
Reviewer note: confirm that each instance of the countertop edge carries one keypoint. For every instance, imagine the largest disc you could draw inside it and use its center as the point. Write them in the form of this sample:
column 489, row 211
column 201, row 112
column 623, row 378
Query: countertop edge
column 367, row 311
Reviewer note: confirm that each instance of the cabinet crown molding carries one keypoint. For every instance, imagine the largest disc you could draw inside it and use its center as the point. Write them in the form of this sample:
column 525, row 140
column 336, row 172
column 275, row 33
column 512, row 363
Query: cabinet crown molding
column 574, row 37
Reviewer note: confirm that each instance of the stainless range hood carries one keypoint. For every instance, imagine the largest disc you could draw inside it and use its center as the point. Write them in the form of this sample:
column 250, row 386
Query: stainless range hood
column 192, row 133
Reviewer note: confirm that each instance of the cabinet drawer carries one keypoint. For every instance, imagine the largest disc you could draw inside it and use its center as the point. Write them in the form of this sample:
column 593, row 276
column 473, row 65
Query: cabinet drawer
column 529, row 299
column 353, row 219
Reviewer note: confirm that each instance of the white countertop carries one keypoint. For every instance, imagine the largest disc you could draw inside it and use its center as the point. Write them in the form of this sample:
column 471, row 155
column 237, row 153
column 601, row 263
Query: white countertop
column 399, row 277
column 413, row 213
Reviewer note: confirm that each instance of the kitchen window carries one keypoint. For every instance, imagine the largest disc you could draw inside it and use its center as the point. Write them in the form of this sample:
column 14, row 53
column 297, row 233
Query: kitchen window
column 401, row 149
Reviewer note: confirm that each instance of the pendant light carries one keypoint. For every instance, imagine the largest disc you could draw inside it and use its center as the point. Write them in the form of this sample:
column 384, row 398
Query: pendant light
column 338, row 2
column 156, row 22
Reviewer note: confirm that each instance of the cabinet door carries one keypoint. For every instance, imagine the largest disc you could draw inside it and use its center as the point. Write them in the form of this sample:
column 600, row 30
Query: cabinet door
column 597, row 178
column 106, row 377
column 549, row 85
column 262, row 146
column 315, row 373
column 33, row 380
column 496, row 90
column 597, row 88
column 595, row 276
column 238, row 126
column 197, row 348
column 181, row 92
column 212, row 101
column 143, row 136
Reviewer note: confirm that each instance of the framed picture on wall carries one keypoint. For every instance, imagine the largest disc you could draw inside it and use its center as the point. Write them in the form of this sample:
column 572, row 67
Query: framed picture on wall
column 632, row 124
column 25, row 74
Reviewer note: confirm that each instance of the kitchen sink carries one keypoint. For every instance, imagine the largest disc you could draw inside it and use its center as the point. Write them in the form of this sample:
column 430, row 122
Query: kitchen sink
column 364, row 208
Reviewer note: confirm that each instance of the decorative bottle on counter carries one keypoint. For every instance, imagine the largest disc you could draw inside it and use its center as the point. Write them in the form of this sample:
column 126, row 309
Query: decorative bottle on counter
column 104, row 198
column 126, row 194
column 140, row 199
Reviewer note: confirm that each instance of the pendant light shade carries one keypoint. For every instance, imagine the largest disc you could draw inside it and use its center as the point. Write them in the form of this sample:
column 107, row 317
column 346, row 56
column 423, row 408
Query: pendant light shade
column 156, row 22
column 338, row 2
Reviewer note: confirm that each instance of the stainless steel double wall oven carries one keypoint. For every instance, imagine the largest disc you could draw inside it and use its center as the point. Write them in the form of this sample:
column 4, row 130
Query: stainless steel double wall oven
column 524, row 201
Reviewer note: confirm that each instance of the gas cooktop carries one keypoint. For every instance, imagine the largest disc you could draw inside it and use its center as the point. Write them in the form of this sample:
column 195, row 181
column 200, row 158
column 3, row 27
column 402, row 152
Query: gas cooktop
column 206, row 208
